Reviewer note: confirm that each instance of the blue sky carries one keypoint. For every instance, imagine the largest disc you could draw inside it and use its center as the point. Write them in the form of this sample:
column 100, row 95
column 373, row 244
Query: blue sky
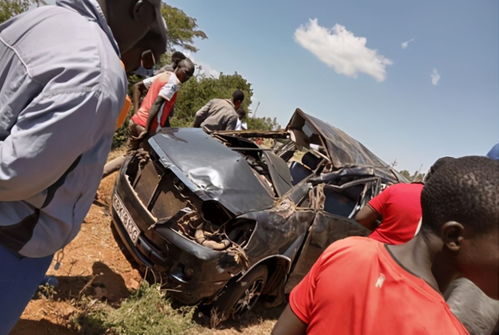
column 412, row 80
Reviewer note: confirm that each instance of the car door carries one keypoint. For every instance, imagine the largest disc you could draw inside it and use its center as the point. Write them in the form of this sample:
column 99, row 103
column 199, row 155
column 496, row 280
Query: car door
column 334, row 207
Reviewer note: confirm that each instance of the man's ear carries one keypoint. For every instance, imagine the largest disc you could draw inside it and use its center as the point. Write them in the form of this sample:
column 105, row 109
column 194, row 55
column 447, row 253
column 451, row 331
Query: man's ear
column 139, row 10
column 452, row 234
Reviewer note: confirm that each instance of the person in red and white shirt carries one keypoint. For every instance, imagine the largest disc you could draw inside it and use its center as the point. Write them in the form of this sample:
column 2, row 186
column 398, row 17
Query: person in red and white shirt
column 360, row 286
column 156, row 107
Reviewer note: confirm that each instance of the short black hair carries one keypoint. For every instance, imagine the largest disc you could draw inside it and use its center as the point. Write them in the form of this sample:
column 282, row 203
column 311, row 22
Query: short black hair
column 177, row 56
column 463, row 190
column 187, row 65
column 238, row 95
column 438, row 164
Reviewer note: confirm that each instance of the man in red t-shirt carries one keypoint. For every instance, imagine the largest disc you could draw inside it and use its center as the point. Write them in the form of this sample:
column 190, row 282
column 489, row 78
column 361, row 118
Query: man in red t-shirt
column 398, row 208
column 361, row 286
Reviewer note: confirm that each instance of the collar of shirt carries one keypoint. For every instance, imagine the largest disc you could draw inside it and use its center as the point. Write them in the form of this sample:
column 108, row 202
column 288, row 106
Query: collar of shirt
column 174, row 80
column 91, row 10
column 230, row 102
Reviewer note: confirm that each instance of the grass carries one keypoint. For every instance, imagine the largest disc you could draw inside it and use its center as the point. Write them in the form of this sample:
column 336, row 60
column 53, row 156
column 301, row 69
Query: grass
column 146, row 311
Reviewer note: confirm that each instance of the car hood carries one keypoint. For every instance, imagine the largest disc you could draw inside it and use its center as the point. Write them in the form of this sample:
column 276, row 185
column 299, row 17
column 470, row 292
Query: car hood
column 210, row 169
column 342, row 150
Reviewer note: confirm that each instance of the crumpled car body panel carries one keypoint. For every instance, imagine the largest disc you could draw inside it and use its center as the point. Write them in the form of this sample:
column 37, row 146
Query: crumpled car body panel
column 206, row 209
column 211, row 170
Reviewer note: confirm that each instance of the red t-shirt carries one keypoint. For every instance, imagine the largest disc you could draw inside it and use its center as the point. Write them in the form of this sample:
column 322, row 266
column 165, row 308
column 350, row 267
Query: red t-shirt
column 357, row 288
column 400, row 207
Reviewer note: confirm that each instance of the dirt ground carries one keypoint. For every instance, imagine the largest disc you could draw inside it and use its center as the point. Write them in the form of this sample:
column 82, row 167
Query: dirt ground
column 93, row 265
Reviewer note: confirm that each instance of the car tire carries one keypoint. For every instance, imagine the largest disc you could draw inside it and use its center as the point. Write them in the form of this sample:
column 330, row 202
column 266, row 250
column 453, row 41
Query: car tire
column 239, row 296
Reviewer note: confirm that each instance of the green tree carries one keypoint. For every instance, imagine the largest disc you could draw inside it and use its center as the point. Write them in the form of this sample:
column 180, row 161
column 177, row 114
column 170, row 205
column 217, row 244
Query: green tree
column 263, row 123
column 406, row 174
column 182, row 29
column 414, row 177
column 9, row 8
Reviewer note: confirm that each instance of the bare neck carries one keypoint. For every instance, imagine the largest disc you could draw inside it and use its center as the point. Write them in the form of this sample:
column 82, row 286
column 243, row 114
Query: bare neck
column 423, row 256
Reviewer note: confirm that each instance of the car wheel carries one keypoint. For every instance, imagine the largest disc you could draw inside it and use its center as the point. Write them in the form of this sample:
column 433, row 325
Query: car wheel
column 239, row 296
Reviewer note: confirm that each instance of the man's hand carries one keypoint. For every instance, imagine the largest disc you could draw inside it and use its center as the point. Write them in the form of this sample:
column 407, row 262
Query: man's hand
column 143, row 157
column 141, row 136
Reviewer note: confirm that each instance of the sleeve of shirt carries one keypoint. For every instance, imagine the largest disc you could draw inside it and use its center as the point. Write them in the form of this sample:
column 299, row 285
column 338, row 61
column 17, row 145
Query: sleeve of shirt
column 378, row 202
column 232, row 122
column 202, row 114
column 169, row 89
column 148, row 82
column 50, row 133
column 301, row 299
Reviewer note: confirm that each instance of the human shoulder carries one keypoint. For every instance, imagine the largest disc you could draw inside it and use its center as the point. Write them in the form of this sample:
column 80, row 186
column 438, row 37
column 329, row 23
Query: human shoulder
column 354, row 249
column 61, row 49
column 405, row 186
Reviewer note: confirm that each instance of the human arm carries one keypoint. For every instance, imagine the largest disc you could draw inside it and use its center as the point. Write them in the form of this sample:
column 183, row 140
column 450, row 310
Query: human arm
column 201, row 115
column 232, row 122
column 140, row 89
column 154, row 111
column 137, row 91
column 374, row 210
column 289, row 324
column 46, row 138
column 367, row 217
column 166, row 93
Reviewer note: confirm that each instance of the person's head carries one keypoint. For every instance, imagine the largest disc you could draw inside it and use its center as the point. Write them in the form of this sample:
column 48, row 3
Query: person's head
column 237, row 98
column 460, row 207
column 438, row 164
column 146, row 52
column 184, row 70
column 241, row 113
column 131, row 20
column 177, row 56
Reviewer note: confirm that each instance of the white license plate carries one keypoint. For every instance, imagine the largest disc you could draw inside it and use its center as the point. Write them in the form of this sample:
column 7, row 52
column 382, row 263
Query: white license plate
column 131, row 227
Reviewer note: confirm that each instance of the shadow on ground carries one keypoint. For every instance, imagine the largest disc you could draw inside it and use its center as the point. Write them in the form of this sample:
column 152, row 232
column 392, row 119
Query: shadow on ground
column 40, row 327
column 103, row 284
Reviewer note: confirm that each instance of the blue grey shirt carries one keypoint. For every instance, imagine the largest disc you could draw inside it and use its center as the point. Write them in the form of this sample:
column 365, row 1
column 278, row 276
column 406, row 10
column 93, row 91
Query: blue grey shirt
column 61, row 88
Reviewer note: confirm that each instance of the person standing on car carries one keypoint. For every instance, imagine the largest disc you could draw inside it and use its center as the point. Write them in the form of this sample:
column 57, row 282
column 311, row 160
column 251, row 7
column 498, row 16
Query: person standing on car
column 399, row 209
column 219, row 114
column 361, row 286
column 155, row 110
column 62, row 86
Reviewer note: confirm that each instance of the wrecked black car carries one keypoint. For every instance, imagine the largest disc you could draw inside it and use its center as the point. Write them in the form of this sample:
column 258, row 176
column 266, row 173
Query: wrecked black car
column 225, row 218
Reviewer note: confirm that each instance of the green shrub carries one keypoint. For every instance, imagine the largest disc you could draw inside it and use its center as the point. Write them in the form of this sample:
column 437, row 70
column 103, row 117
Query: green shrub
column 146, row 311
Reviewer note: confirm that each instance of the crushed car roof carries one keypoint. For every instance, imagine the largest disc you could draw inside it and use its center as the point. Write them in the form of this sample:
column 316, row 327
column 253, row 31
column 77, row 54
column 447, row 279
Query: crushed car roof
column 342, row 150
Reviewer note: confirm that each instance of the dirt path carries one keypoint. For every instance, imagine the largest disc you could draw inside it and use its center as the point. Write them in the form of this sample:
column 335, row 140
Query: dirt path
column 93, row 265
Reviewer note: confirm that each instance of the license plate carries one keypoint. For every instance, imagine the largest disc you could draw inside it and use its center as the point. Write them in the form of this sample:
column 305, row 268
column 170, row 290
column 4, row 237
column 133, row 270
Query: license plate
column 131, row 227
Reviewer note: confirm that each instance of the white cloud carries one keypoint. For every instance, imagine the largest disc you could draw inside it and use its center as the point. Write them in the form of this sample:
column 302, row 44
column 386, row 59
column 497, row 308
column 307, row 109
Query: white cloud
column 435, row 77
column 205, row 70
column 202, row 69
column 340, row 49
column 405, row 44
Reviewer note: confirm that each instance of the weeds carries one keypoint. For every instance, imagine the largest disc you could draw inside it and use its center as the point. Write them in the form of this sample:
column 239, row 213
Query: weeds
column 146, row 311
